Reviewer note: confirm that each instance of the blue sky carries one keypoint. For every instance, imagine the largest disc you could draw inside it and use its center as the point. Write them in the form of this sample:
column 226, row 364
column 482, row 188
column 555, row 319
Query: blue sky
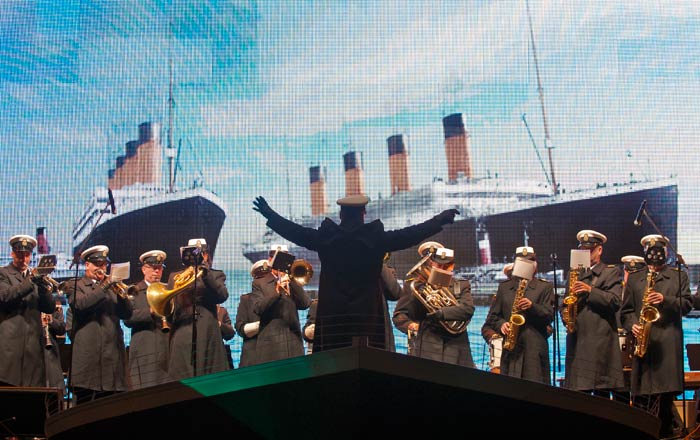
column 265, row 89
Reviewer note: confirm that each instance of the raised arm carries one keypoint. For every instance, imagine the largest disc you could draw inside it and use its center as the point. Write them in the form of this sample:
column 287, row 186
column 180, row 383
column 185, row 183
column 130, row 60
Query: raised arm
column 306, row 237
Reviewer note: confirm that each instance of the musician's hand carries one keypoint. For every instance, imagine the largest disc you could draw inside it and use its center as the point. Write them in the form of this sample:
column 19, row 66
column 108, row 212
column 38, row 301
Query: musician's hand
column 581, row 287
column 636, row 330
column 260, row 205
column 447, row 216
column 437, row 315
column 524, row 304
column 505, row 328
column 655, row 298
column 413, row 326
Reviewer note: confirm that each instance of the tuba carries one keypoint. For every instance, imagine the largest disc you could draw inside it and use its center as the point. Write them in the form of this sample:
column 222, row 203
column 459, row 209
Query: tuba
column 570, row 311
column 516, row 319
column 160, row 298
column 647, row 316
column 432, row 297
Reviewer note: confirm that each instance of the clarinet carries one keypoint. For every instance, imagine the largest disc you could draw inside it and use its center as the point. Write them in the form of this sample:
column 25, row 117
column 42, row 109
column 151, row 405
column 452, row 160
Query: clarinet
column 48, row 344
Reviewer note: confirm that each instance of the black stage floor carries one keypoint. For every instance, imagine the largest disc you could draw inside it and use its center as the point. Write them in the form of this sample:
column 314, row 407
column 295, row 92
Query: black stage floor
column 351, row 393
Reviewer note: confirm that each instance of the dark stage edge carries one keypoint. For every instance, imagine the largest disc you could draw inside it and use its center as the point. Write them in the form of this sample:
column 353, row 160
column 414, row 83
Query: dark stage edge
column 351, row 393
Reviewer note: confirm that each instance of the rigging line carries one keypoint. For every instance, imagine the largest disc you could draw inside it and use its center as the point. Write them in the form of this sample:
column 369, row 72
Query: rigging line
column 537, row 150
column 540, row 92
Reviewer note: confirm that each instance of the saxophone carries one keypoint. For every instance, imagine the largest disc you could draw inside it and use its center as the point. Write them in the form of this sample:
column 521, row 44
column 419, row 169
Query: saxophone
column 569, row 313
column 516, row 319
column 647, row 316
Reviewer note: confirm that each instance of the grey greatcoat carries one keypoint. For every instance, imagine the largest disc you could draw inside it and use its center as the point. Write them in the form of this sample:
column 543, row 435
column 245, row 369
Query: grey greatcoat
column 432, row 340
column 149, row 346
column 21, row 341
column 659, row 371
column 211, row 355
column 246, row 315
column 99, row 356
column 593, row 358
column 392, row 292
column 530, row 358
column 54, row 370
column 280, row 331
column 350, row 295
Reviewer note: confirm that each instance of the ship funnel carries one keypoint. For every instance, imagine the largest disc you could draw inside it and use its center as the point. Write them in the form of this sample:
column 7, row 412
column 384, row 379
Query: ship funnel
column 42, row 242
column 317, row 181
column 142, row 162
column 456, row 147
column 398, row 164
column 354, row 182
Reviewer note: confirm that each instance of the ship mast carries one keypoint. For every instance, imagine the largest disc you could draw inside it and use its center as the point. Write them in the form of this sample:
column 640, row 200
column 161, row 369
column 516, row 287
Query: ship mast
column 540, row 91
column 170, row 151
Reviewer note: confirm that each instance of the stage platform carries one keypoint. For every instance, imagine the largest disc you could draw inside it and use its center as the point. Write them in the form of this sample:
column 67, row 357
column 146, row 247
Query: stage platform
column 352, row 393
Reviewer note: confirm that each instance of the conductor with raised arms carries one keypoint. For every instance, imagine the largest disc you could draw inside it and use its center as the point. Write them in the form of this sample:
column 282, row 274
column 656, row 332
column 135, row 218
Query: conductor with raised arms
column 351, row 253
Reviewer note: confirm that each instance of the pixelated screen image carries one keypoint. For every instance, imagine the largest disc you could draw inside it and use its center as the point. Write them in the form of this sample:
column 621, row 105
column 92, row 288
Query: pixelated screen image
column 535, row 120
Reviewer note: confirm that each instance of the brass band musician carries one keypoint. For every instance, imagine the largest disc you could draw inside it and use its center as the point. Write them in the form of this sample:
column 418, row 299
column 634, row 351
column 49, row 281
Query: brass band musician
column 207, row 290
column 530, row 357
column 54, row 330
column 247, row 321
column 98, row 366
column 432, row 340
column 656, row 376
column 149, row 346
column 22, row 300
column 593, row 359
column 277, row 297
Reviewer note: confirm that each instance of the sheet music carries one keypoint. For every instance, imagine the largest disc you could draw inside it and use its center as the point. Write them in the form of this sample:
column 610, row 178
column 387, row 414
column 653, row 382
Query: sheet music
column 523, row 268
column 120, row 271
column 580, row 259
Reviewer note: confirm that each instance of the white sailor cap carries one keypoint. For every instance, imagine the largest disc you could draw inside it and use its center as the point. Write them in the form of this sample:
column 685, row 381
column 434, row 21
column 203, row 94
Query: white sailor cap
column 356, row 201
column 259, row 265
column 589, row 238
column 443, row 255
column 96, row 254
column 22, row 243
column 197, row 242
column 526, row 252
column 154, row 257
column 633, row 263
column 428, row 246
column 279, row 247
column 654, row 240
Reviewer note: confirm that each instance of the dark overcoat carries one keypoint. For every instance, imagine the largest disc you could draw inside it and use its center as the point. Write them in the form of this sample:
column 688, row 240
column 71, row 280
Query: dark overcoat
column 21, row 346
column 350, row 292
column 149, row 346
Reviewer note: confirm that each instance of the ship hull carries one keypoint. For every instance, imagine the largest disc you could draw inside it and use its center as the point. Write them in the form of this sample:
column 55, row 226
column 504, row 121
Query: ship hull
column 550, row 229
column 165, row 226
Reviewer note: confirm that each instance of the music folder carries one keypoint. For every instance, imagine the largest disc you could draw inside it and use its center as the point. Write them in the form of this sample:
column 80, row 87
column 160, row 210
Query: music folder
column 282, row 261
column 191, row 255
column 46, row 265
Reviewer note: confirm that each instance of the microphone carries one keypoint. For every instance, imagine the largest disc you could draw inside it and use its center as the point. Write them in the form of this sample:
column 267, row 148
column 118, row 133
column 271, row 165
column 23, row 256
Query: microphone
column 638, row 218
column 111, row 201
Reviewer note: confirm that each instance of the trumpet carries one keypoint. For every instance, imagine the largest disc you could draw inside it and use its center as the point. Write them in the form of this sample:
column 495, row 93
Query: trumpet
column 122, row 290
column 46, row 281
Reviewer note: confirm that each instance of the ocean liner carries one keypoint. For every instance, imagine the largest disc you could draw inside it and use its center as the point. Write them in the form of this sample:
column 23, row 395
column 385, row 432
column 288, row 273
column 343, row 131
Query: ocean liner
column 496, row 215
column 148, row 215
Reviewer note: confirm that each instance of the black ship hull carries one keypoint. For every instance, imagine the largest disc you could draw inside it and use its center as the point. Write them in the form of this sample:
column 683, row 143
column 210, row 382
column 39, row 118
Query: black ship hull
column 550, row 229
column 165, row 226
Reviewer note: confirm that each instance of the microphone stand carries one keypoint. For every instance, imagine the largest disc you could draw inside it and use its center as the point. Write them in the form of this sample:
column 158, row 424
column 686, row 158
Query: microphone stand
column 195, row 313
column 680, row 262
column 556, row 361
column 76, row 263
